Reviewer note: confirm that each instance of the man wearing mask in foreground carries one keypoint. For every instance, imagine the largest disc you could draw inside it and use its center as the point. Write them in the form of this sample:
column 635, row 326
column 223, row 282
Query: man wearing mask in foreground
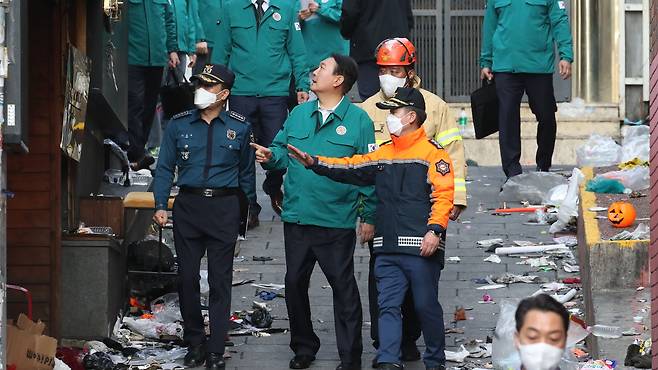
column 210, row 148
column 541, row 332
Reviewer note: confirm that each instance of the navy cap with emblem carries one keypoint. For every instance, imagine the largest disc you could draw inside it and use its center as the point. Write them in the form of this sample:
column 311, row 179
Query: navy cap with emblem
column 404, row 97
column 214, row 74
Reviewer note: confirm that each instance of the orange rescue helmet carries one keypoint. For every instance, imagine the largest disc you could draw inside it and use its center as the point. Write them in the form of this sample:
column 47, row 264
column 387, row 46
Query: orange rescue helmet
column 397, row 51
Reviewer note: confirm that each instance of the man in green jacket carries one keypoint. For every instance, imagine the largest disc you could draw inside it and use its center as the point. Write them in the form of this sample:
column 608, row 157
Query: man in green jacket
column 321, row 30
column 210, row 12
column 319, row 215
column 261, row 41
column 151, row 42
column 518, row 38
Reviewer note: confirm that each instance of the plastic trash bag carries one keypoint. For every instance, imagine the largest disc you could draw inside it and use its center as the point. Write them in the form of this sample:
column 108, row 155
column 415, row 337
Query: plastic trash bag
column 153, row 329
column 505, row 355
column 556, row 195
column 531, row 187
column 635, row 143
column 98, row 361
column 569, row 207
column 605, row 186
column 598, row 151
column 60, row 365
column 166, row 309
column 635, row 179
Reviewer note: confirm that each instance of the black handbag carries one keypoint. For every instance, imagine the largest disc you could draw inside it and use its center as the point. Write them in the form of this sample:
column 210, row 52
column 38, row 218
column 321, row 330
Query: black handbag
column 176, row 95
column 484, row 106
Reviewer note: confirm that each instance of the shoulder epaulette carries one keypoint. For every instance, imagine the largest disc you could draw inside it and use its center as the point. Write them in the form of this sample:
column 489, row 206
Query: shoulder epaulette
column 436, row 144
column 182, row 114
column 237, row 116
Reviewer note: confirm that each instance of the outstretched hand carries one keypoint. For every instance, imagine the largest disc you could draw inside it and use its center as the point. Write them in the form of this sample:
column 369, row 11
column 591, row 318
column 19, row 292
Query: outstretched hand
column 303, row 157
column 263, row 154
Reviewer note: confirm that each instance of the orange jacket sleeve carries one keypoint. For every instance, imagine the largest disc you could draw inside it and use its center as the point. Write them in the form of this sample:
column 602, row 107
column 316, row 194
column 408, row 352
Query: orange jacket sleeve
column 440, row 176
column 358, row 170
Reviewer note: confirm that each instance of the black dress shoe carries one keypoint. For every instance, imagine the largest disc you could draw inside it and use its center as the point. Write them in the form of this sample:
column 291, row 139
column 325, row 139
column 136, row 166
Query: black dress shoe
column 410, row 353
column 350, row 366
column 215, row 361
column 196, row 355
column 301, row 362
column 276, row 200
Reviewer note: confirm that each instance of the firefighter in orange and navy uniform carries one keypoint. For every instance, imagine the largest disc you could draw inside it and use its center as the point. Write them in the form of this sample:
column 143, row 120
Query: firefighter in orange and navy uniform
column 413, row 178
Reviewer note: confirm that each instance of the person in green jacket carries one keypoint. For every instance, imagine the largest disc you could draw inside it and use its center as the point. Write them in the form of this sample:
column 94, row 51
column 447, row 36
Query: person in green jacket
column 151, row 43
column 189, row 30
column 210, row 12
column 261, row 41
column 518, row 38
column 321, row 30
column 319, row 215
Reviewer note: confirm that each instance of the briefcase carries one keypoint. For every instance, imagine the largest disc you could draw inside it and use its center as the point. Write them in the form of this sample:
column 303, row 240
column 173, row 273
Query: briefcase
column 177, row 95
column 484, row 106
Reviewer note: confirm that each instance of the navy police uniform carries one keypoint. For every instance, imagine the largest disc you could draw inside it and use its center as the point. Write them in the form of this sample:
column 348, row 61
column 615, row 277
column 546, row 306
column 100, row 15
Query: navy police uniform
column 215, row 164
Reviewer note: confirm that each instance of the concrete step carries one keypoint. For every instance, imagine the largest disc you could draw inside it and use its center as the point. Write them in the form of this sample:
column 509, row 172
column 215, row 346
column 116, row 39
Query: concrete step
column 572, row 132
column 593, row 112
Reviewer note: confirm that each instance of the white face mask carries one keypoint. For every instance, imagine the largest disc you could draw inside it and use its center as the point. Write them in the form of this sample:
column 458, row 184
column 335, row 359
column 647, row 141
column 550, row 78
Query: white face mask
column 394, row 124
column 204, row 98
column 391, row 83
column 540, row 356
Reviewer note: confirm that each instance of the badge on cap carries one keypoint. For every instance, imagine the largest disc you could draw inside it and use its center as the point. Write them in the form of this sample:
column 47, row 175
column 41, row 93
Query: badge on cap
column 442, row 167
column 341, row 130
column 230, row 134
column 276, row 16
column 207, row 68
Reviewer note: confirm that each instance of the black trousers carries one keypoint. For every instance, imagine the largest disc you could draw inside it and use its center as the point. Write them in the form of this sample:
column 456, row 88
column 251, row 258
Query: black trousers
column 368, row 82
column 410, row 324
column 143, row 90
column 205, row 224
column 333, row 250
column 266, row 115
column 541, row 98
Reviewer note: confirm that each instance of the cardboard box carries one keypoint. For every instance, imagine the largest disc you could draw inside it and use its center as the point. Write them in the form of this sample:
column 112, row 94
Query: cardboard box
column 28, row 348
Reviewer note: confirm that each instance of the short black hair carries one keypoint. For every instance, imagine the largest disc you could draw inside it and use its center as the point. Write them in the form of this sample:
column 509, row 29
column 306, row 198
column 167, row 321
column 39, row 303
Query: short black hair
column 346, row 67
column 544, row 303
column 421, row 115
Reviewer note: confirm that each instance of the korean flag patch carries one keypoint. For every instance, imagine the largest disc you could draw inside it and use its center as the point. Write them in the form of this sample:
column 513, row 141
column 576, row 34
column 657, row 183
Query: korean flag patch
column 372, row 147
column 442, row 167
column 561, row 5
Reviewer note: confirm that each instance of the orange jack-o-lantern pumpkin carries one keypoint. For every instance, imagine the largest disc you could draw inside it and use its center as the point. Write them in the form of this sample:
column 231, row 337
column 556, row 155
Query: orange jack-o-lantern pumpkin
column 621, row 214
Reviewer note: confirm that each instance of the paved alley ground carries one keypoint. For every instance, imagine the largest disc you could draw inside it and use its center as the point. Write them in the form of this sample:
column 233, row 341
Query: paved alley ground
column 456, row 287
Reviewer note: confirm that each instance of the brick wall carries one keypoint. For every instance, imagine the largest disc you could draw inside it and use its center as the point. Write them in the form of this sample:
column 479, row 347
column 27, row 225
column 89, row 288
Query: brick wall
column 33, row 215
column 653, row 113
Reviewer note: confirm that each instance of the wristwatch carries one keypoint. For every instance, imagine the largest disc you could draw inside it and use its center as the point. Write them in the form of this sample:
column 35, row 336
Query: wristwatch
column 435, row 233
